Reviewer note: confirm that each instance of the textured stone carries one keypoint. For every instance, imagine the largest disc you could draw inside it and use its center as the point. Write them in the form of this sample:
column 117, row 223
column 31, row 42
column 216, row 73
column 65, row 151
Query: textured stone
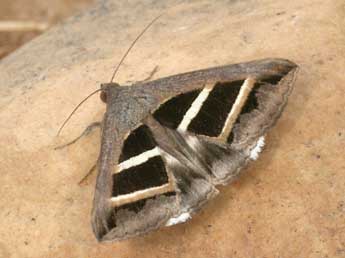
column 288, row 203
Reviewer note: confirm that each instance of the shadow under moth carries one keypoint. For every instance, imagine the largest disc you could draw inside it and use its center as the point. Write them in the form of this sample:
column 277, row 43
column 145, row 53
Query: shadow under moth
column 166, row 144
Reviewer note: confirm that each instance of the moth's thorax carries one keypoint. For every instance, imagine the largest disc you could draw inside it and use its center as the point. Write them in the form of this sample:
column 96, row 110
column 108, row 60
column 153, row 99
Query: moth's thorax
column 109, row 91
column 124, row 105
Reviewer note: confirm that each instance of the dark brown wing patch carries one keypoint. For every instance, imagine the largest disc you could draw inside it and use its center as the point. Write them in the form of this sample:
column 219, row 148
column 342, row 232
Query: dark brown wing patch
column 139, row 141
column 214, row 111
column 143, row 176
column 170, row 113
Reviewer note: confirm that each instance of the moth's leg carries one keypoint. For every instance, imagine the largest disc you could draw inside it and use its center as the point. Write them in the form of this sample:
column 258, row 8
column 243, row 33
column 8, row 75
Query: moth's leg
column 88, row 173
column 147, row 78
column 87, row 131
column 151, row 74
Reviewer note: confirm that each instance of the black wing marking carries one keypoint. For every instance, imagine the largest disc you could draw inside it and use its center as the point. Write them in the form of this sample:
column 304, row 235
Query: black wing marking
column 137, row 142
column 140, row 172
column 171, row 112
column 214, row 111
column 151, row 173
column 210, row 118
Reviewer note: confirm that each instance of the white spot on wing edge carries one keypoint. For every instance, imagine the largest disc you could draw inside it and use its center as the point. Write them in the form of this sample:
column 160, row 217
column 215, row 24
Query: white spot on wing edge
column 254, row 153
column 183, row 217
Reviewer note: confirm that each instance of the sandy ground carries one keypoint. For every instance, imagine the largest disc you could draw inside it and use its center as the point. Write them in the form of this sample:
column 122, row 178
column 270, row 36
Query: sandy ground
column 289, row 203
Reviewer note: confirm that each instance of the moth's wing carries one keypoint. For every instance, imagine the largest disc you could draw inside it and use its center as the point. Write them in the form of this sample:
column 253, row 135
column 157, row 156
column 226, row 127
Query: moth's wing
column 217, row 119
column 140, row 195
column 167, row 163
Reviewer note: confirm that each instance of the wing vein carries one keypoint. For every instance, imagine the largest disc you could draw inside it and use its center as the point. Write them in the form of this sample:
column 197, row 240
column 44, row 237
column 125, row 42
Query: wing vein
column 141, row 194
column 195, row 107
column 240, row 101
column 137, row 160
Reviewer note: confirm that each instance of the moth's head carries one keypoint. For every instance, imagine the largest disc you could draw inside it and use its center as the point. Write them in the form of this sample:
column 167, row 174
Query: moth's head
column 108, row 88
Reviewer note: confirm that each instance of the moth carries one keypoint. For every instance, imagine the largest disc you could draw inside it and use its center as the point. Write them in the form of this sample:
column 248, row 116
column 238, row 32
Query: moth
column 166, row 144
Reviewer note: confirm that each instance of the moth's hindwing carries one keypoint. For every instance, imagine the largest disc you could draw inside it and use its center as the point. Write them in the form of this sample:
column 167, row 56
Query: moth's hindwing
column 182, row 136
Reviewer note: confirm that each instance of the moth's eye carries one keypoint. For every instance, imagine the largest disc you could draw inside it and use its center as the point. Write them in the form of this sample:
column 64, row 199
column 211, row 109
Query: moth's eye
column 103, row 96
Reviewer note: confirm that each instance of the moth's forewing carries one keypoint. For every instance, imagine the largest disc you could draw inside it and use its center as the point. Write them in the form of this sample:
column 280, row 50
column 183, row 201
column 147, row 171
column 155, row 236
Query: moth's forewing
column 272, row 82
column 122, row 206
column 178, row 137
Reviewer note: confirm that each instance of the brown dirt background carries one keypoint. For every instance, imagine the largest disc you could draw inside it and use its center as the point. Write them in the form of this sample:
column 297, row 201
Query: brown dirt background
column 289, row 203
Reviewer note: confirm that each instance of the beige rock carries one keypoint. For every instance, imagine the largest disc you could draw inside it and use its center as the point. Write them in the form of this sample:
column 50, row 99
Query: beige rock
column 289, row 203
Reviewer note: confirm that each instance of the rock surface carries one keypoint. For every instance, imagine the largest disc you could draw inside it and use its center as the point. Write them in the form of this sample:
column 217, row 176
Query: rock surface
column 288, row 203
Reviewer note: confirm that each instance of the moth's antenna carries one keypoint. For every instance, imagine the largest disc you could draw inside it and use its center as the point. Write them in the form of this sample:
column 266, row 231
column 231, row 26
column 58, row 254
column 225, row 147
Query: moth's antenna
column 131, row 46
column 75, row 109
column 115, row 71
